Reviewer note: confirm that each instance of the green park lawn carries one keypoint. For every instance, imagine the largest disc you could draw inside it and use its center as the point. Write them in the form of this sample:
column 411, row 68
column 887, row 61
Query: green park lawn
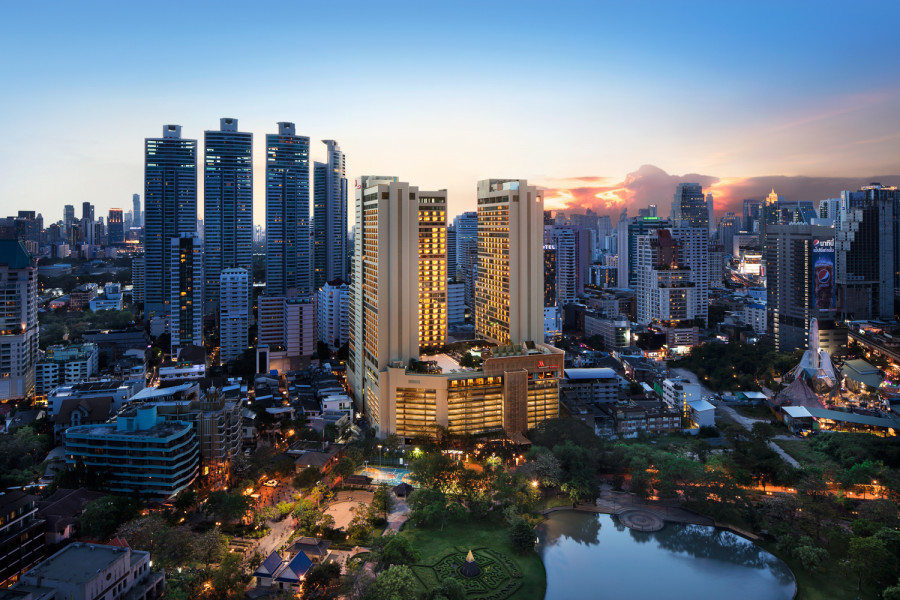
column 487, row 538
column 832, row 582
column 804, row 454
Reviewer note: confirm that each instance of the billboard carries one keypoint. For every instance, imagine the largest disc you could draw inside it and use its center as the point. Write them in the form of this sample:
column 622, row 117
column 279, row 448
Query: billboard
column 824, row 288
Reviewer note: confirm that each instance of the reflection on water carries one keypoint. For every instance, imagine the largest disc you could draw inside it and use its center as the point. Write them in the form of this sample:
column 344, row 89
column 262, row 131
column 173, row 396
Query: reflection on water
column 591, row 556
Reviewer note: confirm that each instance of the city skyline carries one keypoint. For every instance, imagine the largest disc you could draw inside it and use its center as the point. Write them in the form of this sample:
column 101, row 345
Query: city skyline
column 769, row 97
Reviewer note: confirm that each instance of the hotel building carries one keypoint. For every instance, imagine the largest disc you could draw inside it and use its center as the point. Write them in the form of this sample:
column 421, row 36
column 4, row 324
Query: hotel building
column 400, row 379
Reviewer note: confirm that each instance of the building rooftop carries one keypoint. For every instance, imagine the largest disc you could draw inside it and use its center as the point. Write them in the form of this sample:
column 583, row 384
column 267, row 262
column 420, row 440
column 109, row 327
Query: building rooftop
column 160, row 430
column 14, row 255
column 590, row 373
column 77, row 563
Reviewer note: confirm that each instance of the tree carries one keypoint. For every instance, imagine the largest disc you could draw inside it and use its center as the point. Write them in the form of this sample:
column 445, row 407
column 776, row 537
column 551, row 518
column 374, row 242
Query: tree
column 868, row 557
column 427, row 507
column 397, row 583
column 450, row 589
column 381, row 505
column 521, row 535
column 311, row 520
column 358, row 528
column 169, row 546
column 284, row 508
column 229, row 580
column 436, row 470
column 211, row 547
column 344, row 467
column 227, row 507
column 185, row 500
column 811, row 557
column 103, row 516
column 320, row 578
column 395, row 550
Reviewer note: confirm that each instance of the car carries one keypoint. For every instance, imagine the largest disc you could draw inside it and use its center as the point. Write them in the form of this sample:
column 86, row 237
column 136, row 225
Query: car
column 271, row 483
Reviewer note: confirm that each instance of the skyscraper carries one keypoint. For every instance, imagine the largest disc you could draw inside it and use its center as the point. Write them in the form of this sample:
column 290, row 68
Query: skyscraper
column 451, row 252
column 330, row 217
column 466, row 227
column 627, row 231
column 866, row 251
column 399, row 302
column 689, row 207
column 18, row 321
column 751, row 214
column 710, row 207
column 186, row 292
column 116, row 227
column 136, row 220
column 227, row 206
column 234, row 312
column 508, row 293
column 68, row 215
column 287, row 212
column 800, row 286
column 170, row 209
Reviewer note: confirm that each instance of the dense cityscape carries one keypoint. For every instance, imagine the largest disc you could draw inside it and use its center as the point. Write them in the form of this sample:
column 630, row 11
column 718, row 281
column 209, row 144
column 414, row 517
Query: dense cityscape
column 372, row 389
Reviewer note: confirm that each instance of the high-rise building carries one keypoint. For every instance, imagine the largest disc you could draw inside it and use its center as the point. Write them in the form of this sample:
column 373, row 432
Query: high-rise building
column 666, row 291
column 170, row 209
column 508, row 294
column 451, row 252
column 330, row 217
column 22, row 544
column 566, row 250
column 287, row 326
column 800, row 286
column 750, row 216
column 729, row 225
column 627, row 231
column 466, row 227
column 689, row 207
column 136, row 217
column 830, row 210
column 87, row 211
column 550, row 276
column 334, row 313
column 116, row 227
column 866, row 251
column 399, row 386
column 18, row 321
column 68, row 216
column 710, row 206
column 287, row 212
column 186, row 292
column 227, row 206
column 234, row 313
column 138, row 279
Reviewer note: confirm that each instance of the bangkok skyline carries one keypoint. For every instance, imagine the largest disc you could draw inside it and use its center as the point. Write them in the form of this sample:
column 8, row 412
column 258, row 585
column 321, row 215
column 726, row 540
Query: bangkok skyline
column 604, row 106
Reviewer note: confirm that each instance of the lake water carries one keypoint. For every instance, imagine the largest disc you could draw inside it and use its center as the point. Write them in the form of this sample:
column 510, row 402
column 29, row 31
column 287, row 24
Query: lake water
column 594, row 556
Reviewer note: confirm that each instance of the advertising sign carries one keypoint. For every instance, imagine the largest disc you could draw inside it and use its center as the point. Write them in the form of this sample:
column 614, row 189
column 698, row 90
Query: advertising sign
column 824, row 288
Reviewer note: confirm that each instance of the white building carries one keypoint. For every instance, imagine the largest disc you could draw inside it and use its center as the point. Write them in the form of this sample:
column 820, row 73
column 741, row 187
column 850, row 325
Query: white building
column 287, row 326
column 334, row 314
column 66, row 365
column 678, row 392
column 552, row 324
column 234, row 313
column 18, row 321
column 754, row 315
column 186, row 292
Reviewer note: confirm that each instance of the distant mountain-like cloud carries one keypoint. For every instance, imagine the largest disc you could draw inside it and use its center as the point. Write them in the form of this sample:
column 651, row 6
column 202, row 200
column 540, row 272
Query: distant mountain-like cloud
column 652, row 185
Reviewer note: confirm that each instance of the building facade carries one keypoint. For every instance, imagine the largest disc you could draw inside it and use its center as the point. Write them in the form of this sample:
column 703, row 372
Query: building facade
column 509, row 295
column 287, row 212
column 18, row 321
column 66, row 365
column 690, row 207
column 227, row 206
column 330, row 217
column 170, row 210
column 186, row 292
column 21, row 536
column 334, row 314
column 234, row 313
column 141, row 453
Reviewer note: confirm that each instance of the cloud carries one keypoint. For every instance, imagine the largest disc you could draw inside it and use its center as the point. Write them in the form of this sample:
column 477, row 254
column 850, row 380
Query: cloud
column 652, row 185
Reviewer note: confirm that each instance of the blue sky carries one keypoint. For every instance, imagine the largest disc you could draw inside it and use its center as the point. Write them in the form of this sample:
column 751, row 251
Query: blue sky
column 445, row 94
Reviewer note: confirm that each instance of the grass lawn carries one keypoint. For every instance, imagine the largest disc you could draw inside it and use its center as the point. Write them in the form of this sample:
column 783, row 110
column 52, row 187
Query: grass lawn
column 833, row 582
column 434, row 544
column 806, row 455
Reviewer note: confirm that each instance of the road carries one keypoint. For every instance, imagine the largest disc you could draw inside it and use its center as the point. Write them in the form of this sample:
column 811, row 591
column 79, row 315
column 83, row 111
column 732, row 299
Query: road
column 745, row 422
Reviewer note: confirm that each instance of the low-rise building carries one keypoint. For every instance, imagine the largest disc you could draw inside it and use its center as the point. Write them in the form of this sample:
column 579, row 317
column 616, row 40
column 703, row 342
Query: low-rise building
column 594, row 386
column 66, row 365
column 141, row 453
column 119, row 390
column 83, row 571
column 653, row 417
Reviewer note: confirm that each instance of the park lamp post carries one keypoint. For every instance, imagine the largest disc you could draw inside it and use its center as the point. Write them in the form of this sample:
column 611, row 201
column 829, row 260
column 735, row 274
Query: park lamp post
column 379, row 455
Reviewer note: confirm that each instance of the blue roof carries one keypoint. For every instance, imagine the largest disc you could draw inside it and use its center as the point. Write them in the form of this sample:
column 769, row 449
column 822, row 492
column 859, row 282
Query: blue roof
column 269, row 566
column 297, row 568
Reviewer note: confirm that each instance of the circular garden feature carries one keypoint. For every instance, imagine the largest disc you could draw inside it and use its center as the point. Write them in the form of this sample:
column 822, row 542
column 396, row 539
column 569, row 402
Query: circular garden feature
column 491, row 575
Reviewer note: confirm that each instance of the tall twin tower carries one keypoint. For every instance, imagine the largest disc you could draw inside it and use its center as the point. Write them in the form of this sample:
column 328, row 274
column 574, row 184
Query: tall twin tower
column 301, row 254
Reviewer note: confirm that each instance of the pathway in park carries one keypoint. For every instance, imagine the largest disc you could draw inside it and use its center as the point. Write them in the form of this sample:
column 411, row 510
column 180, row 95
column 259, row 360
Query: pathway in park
column 745, row 422
column 398, row 516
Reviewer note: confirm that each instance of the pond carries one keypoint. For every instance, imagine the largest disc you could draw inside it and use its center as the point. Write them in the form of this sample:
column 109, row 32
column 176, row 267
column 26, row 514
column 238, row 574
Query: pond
column 594, row 556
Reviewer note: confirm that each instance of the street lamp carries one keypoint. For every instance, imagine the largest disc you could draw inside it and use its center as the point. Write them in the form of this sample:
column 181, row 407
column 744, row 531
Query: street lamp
column 379, row 455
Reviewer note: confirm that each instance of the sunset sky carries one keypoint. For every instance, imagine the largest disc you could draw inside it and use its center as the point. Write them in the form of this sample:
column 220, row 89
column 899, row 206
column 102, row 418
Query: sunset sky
column 605, row 104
